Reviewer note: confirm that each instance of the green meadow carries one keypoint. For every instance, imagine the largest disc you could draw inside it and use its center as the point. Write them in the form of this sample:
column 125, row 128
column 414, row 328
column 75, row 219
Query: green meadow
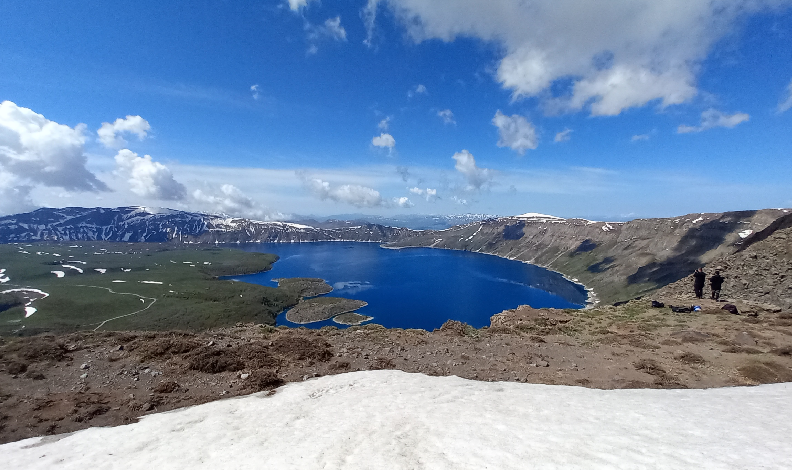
column 125, row 286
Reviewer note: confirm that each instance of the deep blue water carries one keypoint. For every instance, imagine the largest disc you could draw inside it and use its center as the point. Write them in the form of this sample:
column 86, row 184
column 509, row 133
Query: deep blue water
column 418, row 287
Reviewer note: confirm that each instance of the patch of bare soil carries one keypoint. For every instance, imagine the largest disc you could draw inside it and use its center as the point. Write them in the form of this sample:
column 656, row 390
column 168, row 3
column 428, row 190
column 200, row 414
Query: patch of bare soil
column 57, row 384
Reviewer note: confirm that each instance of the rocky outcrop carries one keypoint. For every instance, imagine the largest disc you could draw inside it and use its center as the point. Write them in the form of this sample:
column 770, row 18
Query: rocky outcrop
column 617, row 260
column 760, row 271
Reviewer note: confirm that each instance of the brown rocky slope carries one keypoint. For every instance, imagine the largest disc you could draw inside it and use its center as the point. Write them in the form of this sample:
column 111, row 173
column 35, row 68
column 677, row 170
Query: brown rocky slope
column 617, row 260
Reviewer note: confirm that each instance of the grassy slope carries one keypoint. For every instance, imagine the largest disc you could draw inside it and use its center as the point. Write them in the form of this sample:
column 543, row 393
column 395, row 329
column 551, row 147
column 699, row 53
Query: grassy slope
column 190, row 296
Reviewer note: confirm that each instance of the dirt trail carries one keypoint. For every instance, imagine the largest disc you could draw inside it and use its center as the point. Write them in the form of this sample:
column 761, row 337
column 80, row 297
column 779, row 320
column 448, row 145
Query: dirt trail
column 52, row 384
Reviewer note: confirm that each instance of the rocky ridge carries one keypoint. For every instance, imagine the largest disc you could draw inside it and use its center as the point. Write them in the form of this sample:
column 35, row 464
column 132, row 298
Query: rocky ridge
column 618, row 260
column 142, row 224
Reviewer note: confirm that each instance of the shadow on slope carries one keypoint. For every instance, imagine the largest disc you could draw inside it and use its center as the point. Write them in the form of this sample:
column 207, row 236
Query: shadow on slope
column 686, row 258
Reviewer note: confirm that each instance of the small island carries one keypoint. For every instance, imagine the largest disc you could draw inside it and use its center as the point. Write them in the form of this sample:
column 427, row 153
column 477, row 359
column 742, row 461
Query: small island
column 322, row 308
column 306, row 286
column 351, row 319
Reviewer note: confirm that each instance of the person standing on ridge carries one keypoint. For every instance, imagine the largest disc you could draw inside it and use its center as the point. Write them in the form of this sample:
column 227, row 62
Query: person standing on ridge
column 698, row 282
column 716, row 282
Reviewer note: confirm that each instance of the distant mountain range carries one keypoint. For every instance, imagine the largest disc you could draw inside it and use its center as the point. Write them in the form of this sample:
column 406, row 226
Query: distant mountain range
column 144, row 224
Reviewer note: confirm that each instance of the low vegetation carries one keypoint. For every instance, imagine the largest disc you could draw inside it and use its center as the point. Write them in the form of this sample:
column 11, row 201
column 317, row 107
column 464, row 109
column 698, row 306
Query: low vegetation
column 125, row 286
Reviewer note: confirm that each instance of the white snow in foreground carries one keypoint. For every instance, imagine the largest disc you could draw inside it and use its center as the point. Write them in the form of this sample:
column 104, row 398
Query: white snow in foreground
column 100, row 270
column 68, row 266
column 150, row 282
column 395, row 420
column 745, row 233
column 58, row 273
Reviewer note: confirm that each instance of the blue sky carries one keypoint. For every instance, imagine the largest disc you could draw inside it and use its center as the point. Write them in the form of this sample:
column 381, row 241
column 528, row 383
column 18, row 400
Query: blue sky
column 264, row 109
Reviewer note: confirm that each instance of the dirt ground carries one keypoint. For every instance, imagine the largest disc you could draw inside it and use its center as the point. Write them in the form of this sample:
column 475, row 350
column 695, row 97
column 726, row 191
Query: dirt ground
column 53, row 385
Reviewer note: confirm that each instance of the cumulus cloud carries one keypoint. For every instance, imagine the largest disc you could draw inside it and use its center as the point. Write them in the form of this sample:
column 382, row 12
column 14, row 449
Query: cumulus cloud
column 714, row 118
column 148, row 178
column 354, row 194
column 228, row 199
column 563, row 136
column 639, row 137
column 616, row 54
column 418, row 90
column 786, row 100
column 384, row 141
column 476, row 177
column 384, row 124
column 330, row 30
column 515, row 132
column 447, row 116
column 428, row 193
column 40, row 151
column 297, row 5
column 403, row 202
column 254, row 89
column 460, row 201
column 110, row 134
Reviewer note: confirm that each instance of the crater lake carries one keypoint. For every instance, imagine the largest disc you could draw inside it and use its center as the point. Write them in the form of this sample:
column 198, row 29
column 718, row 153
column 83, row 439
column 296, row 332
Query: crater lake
column 417, row 287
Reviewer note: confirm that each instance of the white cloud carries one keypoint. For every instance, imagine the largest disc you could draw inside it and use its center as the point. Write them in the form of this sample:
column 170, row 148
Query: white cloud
column 714, row 118
column 617, row 54
column 447, row 116
column 428, row 193
column 786, row 101
column 384, row 124
column 403, row 202
column 419, row 90
column 563, row 136
column 297, row 5
column 639, row 137
column 148, row 178
column 14, row 198
column 255, row 90
column 369, row 16
column 354, row 194
column 476, row 177
column 40, row 151
column 331, row 29
column 228, row 199
column 460, row 201
column 110, row 134
column 384, row 141
column 515, row 132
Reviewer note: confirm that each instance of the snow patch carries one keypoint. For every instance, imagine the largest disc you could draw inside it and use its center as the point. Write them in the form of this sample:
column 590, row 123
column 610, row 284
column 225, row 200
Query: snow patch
column 58, row 273
column 118, row 280
column 607, row 227
column 745, row 233
column 28, row 309
column 150, row 282
column 698, row 220
column 536, row 215
column 3, row 276
column 101, row 270
column 79, row 270
column 397, row 420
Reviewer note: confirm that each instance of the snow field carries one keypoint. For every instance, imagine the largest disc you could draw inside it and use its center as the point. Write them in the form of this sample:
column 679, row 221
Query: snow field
column 395, row 420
